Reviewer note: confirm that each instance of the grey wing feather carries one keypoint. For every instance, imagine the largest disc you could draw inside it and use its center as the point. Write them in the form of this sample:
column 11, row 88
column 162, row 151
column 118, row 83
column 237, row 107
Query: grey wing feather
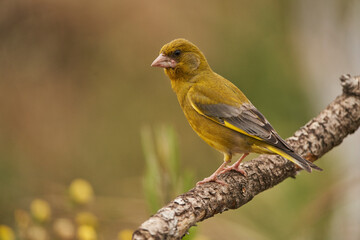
column 247, row 118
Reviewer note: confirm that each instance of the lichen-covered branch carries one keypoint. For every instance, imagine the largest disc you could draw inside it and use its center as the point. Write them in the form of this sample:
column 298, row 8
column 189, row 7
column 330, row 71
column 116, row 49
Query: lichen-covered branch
column 317, row 137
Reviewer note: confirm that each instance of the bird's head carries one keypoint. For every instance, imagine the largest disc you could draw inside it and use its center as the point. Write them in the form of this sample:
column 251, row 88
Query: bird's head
column 181, row 59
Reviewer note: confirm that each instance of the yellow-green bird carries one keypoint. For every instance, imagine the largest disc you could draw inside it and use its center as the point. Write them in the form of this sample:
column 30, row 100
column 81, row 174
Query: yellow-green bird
column 218, row 111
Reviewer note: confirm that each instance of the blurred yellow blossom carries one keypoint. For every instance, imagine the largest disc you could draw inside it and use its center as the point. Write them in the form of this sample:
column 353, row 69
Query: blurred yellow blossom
column 81, row 191
column 125, row 234
column 64, row 228
column 86, row 218
column 40, row 210
column 86, row 232
column 6, row 233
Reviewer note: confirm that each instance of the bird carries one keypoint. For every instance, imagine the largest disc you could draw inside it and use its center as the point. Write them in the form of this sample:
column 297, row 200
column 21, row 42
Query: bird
column 219, row 112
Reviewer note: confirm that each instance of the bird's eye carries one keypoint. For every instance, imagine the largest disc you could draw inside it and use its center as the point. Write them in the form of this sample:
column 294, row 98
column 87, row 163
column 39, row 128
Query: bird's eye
column 177, row 53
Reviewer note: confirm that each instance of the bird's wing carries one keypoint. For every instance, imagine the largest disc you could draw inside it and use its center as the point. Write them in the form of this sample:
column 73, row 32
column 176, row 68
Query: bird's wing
column 241, row 117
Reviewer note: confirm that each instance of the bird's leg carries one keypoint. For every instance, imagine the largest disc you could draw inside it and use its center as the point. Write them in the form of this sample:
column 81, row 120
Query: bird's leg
column 213, row 177
column 236, row 166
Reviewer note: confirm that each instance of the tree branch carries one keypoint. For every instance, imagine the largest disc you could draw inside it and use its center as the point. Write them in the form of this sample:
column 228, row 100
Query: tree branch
column 317, row 137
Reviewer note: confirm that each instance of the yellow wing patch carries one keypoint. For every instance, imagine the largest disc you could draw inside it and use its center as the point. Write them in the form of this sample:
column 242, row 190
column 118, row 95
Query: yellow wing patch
column 228, row 125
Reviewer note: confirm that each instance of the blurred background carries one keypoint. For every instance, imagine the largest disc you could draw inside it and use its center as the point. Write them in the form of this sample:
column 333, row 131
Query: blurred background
column 92, row 140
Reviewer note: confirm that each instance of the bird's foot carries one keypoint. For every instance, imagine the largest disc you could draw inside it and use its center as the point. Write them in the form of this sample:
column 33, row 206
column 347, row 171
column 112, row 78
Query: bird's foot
column 236, row 168
column 212, row 178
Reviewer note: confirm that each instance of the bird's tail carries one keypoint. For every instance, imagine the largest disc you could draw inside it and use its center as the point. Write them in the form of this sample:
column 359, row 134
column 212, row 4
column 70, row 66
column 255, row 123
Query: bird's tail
column 295, row 158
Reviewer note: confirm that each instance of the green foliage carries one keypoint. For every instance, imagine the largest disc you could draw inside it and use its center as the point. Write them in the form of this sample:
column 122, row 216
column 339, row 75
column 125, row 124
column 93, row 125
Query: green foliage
column 163, row 178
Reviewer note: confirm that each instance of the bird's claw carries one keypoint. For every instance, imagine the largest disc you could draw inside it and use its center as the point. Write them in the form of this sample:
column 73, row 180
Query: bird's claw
column 211, row 179
column 237, row 169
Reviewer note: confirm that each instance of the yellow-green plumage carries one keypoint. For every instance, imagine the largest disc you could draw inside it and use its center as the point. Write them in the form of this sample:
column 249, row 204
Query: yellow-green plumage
column 217, row 110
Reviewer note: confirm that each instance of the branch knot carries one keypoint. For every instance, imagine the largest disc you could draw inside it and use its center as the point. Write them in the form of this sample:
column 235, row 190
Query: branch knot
column 351, row 85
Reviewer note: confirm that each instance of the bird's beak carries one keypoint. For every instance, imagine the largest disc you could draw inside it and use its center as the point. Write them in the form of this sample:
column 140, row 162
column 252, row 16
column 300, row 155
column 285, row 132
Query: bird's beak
column 164, row 62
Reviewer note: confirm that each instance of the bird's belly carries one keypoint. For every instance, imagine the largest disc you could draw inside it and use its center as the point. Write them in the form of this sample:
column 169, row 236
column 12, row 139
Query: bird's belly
column 219, row 137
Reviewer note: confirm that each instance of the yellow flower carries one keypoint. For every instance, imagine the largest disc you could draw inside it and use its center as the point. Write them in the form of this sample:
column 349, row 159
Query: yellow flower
column 81, row 191
column 6, row 233
column 40, row 210
column 86, row 218
column 125, row 234
column 86, row 232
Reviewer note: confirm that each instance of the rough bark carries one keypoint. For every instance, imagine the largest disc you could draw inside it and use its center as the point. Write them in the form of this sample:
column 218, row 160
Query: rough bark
column 318, row 136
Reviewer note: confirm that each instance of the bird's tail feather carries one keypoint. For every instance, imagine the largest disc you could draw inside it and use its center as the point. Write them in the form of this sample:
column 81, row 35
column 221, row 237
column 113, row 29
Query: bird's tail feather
column 295, row 158
column 312, row 165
